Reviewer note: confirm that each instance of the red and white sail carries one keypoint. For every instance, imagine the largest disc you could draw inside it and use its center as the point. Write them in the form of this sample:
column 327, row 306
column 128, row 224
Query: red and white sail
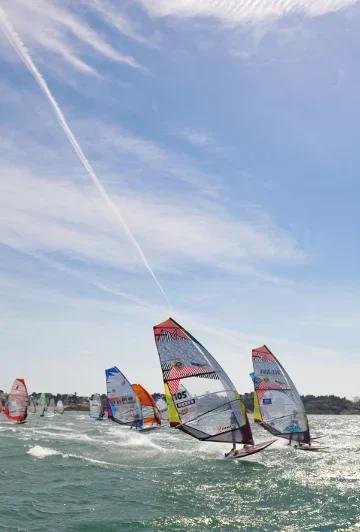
column 17, row 402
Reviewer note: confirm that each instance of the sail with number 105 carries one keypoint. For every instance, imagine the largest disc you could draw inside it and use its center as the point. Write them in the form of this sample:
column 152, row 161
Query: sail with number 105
column 202, row 400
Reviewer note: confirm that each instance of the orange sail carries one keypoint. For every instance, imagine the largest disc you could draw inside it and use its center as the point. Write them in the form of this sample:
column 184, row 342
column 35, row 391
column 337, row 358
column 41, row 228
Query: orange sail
column 150, row 411
column 17, row 403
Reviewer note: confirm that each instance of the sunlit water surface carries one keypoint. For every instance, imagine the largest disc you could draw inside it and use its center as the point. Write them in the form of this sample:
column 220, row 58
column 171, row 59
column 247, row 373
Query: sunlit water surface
column 71, row 473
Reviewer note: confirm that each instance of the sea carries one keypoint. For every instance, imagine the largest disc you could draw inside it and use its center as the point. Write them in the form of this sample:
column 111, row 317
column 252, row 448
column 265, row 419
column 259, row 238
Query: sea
column 70, row 473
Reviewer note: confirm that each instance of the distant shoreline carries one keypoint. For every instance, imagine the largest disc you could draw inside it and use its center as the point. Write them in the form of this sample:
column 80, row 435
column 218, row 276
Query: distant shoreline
column 314, row 404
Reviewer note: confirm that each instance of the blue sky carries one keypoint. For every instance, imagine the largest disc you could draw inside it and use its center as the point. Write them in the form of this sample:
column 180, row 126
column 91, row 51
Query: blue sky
column 226, row 134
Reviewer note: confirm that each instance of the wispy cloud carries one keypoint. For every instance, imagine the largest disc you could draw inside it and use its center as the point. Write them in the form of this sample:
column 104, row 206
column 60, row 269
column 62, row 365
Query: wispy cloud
column 239, row 11
column 58, row 216
column 56, row 28
column 197, row 137
column 137, row 153
column 112, row 14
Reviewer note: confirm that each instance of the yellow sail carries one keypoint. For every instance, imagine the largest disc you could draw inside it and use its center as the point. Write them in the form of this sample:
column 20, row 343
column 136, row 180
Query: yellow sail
column 257, row 413
column 173, row 416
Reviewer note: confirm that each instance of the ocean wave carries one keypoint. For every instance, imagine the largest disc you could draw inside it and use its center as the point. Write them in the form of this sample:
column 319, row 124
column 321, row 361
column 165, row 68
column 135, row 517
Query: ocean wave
column 45, row 452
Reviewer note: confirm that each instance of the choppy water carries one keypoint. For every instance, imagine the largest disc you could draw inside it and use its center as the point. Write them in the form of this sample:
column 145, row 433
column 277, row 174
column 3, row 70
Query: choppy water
column 70, row 473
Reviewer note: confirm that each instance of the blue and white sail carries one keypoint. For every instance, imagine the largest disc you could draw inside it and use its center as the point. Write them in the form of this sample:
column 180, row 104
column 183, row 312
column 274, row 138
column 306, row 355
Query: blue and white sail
column 123, row 401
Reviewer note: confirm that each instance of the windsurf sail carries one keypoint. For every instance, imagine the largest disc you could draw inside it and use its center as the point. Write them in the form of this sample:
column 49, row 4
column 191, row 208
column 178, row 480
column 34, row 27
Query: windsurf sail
column 277, row 404
column 124, row 403
column 108, row 409
column 173, row 416
column 51, row 407
column 202, row 400
column 149, row 411
column 43, row 404
column 96, row 407
column 162, row 406
column 60, row 407
column 32, row 405
column 17, row 402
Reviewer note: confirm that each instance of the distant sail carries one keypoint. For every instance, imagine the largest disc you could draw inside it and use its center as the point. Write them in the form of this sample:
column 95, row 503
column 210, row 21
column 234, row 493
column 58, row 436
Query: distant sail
column 17, row 402
column 124, row 403
column 96, row 407
column 51, row 407
column 212, row 409
column 60, row 407
column 43, row 404
column 277, row 403
column 150, row 413
column 32, row 405
column 163, row 409
column 108, row 409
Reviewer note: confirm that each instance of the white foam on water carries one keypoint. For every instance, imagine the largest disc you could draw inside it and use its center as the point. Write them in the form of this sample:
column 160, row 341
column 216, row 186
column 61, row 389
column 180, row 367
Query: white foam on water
column 57, row 435
column 42, row 452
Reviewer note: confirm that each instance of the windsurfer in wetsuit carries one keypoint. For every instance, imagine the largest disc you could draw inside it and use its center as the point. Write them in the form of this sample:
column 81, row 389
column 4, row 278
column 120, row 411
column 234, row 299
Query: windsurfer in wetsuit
column 233, row 423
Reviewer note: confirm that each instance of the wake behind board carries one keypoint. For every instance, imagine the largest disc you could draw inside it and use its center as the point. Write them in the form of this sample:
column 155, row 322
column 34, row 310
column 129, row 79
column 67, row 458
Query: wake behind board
column 150, row 428
column 307, row 448
column 243, row 453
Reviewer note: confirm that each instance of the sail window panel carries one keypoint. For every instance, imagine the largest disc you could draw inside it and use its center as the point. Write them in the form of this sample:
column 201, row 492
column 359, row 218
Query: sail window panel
column 213, row 415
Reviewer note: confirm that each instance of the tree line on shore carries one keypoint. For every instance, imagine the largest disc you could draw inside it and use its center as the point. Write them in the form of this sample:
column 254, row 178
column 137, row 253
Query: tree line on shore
column 314, row 404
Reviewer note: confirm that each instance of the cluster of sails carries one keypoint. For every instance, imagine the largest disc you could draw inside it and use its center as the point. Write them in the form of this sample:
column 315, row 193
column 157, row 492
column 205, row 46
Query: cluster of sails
column 19, row 404
column 200, row 398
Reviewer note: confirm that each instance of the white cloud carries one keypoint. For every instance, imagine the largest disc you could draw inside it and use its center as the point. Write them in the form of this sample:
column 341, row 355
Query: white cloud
column 57, row 29
column 49, row 215
column 197, row 137
column 240, row 11
column 112, row 15
column 141, row 153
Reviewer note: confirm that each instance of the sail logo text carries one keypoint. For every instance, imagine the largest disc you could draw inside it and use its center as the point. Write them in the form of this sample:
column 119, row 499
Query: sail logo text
column 270, row 372
column 185, row 403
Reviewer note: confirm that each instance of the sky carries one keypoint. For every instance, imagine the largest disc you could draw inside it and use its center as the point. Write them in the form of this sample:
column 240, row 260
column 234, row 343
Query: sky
column 225, row 136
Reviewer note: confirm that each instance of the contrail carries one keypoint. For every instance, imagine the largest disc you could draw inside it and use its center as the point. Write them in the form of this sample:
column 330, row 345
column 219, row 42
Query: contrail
column 21, row 50
column 69, row 271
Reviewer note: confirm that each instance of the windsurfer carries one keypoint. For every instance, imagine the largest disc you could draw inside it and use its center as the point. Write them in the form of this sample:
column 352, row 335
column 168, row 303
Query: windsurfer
column 233, row 436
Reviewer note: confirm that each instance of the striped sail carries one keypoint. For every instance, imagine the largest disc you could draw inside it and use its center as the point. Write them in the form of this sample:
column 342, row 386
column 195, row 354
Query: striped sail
column 17, row 402
column 202, row 400
column 150, row 413
column 277, row 404
column 96, row 407
column 124, row 403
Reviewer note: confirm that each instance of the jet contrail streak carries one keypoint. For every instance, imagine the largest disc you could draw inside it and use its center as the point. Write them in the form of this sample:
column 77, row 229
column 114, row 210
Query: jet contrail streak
column 51, row 263
column 21, row 50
